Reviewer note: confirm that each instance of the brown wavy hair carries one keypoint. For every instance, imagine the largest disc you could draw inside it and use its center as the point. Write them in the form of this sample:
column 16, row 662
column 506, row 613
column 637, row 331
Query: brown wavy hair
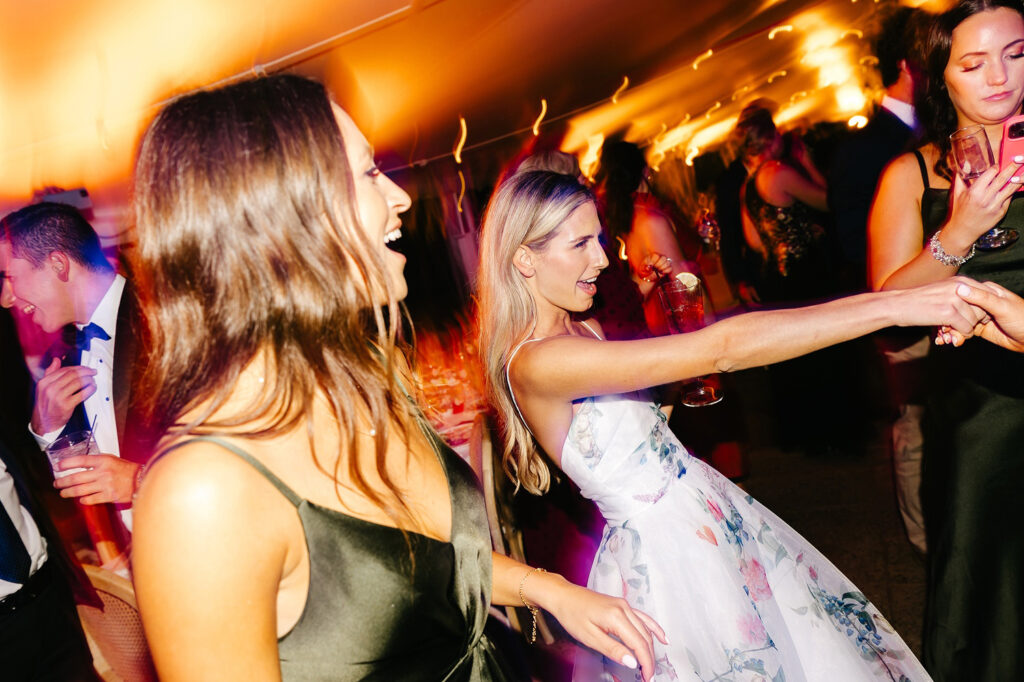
column 250, row 248
column 934, row 106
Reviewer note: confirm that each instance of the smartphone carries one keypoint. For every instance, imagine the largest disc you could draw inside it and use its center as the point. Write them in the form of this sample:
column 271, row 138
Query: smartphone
column 1013, row 141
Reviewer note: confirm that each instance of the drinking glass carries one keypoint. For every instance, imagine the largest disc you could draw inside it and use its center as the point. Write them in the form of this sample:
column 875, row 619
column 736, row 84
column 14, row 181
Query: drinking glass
column 70, row 445
column 683, row 300
column 97, row 517
column 973, row 156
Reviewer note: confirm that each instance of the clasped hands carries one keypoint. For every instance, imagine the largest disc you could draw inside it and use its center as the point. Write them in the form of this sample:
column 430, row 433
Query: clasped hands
column 1001, row 318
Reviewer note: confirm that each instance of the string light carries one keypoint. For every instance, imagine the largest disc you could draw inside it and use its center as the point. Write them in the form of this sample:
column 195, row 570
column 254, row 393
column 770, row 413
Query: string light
column 777, row 75
column 691, row 154
column 620, row 90
column 462, row 190
column 716, row 107
column 739, row 93
column 855, row 32
column 543, row 112
column 857, row 121
column 462, row 140
column 786, row 28
column 869, row 60
column 703, row 57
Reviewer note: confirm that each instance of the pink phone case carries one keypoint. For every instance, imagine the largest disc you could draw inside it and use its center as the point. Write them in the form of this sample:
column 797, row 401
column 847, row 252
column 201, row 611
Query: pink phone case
column 1013, row 141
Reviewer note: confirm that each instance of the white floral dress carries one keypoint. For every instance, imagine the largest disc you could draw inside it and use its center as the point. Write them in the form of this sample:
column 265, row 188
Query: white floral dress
column 740, row 594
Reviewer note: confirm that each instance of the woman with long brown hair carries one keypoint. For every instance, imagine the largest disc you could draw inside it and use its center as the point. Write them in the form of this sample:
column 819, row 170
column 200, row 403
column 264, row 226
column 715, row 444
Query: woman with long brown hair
column 925, row 226
column 300, row 519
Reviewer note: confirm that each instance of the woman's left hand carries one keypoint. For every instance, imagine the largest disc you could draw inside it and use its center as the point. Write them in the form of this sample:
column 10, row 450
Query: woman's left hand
column 1004, row 325
column 654, row 267
column 606, row 624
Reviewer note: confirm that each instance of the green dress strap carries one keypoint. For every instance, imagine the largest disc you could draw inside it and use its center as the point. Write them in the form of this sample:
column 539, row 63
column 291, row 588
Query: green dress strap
column 281, row 486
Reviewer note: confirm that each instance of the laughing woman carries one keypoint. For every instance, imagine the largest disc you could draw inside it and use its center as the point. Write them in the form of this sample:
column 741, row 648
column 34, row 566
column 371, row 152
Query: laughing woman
column 740, row 594
column 301, row 521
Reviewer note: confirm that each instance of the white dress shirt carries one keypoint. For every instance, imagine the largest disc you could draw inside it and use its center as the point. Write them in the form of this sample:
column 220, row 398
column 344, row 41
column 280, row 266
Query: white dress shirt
column 901, row 110
column 99, row 407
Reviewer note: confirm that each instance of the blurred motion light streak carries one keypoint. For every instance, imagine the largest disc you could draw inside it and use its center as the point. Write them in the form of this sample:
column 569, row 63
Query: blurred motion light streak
column 620, row 90
column 543, row 112
column 462, row 140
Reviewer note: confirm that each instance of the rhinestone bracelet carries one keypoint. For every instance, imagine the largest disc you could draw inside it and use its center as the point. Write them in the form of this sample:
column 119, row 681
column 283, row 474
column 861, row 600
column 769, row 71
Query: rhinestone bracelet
column 939, row 253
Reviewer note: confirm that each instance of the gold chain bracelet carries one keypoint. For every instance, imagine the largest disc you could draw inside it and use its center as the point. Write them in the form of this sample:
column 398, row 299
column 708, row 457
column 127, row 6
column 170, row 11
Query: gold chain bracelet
column 532, row 609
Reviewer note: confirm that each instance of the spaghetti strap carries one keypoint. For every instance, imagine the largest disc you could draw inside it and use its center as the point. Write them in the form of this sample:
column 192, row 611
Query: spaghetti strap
column 292, row 496
column 508, row 363
column 591, row 330
column 508, row 381
column 924, row 168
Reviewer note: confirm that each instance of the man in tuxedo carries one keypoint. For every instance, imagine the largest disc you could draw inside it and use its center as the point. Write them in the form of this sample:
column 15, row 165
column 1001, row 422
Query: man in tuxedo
column 859, row 163
column 859, row 160
column 40, row 634
column 58, row 275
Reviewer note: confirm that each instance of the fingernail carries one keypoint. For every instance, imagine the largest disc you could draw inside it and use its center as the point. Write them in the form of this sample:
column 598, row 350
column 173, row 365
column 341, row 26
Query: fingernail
column 1019, row 158
column 629, row 662
column 1015, row 178
column 963, row 290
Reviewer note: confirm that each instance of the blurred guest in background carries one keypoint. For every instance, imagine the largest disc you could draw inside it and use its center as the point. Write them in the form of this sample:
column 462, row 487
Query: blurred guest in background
column 778, row 200
column 811, row 394
column 860, row 158
column 924, row 224
column 639, row 228
column 855, row 170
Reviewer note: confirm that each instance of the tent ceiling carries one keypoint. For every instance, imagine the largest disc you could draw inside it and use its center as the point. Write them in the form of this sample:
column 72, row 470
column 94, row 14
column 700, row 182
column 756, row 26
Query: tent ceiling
column 80, row 79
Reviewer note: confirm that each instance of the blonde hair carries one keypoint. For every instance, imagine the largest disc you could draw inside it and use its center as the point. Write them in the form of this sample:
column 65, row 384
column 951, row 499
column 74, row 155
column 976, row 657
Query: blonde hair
column 249, row 247
column 526, row 210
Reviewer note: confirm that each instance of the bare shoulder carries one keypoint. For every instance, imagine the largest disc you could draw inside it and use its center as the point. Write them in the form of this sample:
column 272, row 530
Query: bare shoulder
column 537, row 362
column 904, row 167
column 201, row 487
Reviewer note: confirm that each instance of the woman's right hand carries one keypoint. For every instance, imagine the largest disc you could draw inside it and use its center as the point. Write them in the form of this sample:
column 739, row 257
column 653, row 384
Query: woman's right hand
column 979, row 207
column 608, row 625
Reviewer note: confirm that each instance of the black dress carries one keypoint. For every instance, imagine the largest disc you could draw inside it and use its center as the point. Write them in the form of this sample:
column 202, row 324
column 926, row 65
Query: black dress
column 973, row 464
column 370, row 614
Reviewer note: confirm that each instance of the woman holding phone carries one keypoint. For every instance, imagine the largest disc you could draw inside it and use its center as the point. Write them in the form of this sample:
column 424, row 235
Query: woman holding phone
column 923, row 227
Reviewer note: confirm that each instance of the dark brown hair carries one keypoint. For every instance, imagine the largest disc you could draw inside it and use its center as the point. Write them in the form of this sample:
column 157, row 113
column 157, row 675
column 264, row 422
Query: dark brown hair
column 250, row 247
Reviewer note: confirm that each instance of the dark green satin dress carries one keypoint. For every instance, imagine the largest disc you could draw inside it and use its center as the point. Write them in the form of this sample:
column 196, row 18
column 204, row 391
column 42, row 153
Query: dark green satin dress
column 973, row 469
column 371, row 615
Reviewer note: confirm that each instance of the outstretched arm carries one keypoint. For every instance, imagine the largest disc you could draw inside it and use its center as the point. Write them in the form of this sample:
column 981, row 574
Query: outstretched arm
column 760, row 338
column 606, row 624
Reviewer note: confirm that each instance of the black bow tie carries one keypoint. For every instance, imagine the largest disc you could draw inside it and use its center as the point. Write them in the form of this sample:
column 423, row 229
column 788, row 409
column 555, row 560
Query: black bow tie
column 84, row 336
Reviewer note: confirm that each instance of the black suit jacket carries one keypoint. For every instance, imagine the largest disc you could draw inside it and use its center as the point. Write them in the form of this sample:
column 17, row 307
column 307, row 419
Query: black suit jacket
column 29, row 469
column 134, row 437
column 857, row 165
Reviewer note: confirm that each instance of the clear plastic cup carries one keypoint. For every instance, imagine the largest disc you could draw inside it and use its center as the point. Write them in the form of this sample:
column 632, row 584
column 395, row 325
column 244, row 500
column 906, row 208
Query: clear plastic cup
column 74, row 443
